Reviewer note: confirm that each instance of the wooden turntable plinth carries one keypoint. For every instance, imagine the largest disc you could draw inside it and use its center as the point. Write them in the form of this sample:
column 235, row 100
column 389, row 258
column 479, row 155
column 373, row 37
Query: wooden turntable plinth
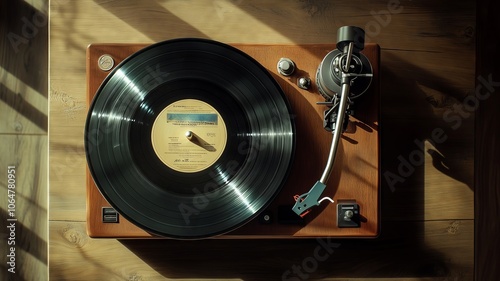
column 355, row 177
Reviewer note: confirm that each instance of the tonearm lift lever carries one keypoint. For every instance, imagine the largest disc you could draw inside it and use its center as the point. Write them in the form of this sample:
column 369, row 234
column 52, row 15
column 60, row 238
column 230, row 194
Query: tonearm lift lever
column 349, row 72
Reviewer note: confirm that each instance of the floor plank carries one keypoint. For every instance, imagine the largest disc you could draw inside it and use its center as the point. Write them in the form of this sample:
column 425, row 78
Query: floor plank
column 28, row 154
column 23, row 70
column 404, row 251
column 23, row 134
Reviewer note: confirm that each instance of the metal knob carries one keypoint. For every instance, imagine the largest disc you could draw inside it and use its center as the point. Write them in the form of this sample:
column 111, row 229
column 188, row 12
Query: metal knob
column 348, row 215
column 105, row 62
column 304, row 83
column 286, row 66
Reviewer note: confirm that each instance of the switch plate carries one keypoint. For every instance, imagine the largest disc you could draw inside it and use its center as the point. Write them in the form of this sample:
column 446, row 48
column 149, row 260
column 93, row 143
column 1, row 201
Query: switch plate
column 342, row 220
column 109, row 215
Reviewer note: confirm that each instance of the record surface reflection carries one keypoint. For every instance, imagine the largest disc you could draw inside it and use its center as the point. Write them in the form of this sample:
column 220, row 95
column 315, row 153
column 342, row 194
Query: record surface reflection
column 189, row 138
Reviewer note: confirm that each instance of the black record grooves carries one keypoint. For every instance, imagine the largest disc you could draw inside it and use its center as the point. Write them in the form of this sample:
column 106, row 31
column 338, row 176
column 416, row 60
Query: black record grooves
column 189, row 205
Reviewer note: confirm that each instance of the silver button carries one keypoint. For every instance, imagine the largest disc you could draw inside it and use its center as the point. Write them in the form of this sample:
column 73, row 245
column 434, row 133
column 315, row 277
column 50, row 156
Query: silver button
column 286, row 66
column 105, row 62
column 304, row 83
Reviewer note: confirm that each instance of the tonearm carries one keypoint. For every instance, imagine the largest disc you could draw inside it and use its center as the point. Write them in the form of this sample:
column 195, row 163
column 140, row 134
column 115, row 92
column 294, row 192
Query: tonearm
column 343, row 75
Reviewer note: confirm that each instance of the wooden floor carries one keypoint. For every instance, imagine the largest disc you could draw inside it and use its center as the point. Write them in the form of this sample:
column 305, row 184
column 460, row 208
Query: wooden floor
column 23, row 133
column 427, row 71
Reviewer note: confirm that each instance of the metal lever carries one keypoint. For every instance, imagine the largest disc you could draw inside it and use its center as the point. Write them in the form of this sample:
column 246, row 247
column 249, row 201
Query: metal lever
column 346, row 81
column 344, row 96
column 336, row 73
column 311, row 198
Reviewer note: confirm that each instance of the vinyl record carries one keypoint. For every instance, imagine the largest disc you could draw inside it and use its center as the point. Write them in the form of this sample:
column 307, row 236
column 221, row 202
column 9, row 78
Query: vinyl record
column 189, row 138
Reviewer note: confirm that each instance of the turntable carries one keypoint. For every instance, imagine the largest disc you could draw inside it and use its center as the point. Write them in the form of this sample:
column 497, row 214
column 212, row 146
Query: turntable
column 193, row 138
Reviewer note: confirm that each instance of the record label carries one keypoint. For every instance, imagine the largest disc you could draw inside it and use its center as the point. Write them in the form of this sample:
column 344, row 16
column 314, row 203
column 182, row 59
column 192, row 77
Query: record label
column 189, row 135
